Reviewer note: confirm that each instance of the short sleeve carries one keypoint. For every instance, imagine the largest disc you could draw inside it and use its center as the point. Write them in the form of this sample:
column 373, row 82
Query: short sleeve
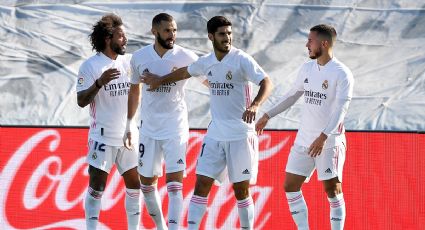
column 252, row 70
column 135, row 76
column 85, row 78
column 196, row 69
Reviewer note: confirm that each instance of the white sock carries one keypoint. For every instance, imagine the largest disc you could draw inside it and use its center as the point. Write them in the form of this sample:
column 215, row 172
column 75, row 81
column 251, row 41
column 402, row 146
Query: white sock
column 175, row 204
column 246, row 213
column 298, row 209
column 92, row 208
column 153, row 204
column 197, row 208
column 132, row 208
column 337, row 204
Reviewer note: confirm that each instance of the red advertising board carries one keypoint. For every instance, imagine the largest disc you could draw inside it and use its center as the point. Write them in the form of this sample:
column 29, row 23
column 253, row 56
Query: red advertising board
column 44, row 179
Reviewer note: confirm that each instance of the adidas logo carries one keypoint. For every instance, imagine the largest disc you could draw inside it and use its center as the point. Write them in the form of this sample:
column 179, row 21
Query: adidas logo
column 335, row 219
column 306, row 80
column 146, row 71
column 328, row 170
column 180, row 162
column 209, row 74
column 245, row 171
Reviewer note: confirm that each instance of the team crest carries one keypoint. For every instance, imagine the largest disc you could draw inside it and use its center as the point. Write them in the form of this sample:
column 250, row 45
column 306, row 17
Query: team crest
column 80, row 81
column 94, row 156
column 229, row 75
column 174, row 69
column 325, row 84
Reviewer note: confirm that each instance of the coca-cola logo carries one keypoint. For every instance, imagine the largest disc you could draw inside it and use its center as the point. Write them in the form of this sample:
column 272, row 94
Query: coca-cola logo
column 44, row 181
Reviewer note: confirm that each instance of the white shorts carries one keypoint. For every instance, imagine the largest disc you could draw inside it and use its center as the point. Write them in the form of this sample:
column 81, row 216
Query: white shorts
column 329, row 164
column 103, row 157
column 240, row 157
column 153, row 152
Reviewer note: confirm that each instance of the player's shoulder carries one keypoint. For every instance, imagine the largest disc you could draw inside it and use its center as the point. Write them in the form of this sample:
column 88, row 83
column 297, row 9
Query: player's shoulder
column 341, row 69
column 91, row 62
column 142, row 51
column 182, row 51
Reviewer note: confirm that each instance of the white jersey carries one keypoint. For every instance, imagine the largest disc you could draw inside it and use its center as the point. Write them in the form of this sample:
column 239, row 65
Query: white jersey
column 163, row 112
column 323, row 86
column 108, row 111
column 230, row 92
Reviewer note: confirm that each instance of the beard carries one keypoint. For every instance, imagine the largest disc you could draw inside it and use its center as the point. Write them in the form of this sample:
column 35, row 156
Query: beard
column 316, row 54
column 221, row 47
column 117, row 48
column 163, row 42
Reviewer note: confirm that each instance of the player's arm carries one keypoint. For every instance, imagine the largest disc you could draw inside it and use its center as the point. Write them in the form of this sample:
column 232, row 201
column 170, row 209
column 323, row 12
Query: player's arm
column 85, row 97
column 154, row 81
column 285, row 102
column 132, row 105
column 266, row 87
column 344, row 92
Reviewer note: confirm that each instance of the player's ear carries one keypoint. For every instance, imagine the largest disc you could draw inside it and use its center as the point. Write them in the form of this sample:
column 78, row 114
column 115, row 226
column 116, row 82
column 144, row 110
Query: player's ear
column 153, row 31
column 211, row 36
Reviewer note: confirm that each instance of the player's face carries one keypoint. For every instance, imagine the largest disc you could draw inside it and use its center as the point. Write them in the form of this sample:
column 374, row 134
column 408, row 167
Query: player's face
column 118, row 42
column 314, row 45
column 222, row 39
column 166, row 33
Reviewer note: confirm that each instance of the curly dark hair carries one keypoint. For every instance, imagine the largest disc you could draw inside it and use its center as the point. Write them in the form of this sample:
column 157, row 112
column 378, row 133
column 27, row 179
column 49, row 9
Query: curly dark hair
column 104, row 28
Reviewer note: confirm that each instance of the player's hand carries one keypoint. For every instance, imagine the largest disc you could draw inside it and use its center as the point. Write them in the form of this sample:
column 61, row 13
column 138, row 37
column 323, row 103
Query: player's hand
column 249, row 115
column 108, row 75
column 127, row 136
column 317, row 146
column 259, row 127
column 153, row 80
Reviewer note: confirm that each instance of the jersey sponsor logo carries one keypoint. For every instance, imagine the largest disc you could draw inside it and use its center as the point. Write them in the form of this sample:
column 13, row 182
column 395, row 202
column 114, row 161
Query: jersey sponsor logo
column 325, row 85
column 306, row 80
column 165, row 88
column 80, row 81
column 246, row 171
column 117, row 89
column 220, row 88
column 229, row 75
column 314, row 98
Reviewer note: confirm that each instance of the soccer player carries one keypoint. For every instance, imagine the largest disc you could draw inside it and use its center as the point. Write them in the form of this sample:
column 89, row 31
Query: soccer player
column 327, row 86
column 231, row 139
column 164, row 128
column 103, row 82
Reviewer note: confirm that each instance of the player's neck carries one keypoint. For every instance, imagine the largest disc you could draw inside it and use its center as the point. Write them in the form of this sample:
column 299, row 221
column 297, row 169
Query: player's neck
column 159, row 49
column 110, row 54
column 324, row 58
column 219, row 54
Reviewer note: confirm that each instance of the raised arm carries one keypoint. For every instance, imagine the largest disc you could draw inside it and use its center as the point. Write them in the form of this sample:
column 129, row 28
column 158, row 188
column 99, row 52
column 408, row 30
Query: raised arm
column 154, row 81
column 86, row 96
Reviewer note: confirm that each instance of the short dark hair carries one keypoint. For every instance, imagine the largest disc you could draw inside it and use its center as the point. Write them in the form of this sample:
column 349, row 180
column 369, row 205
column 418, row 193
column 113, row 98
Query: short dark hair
column 104, row 28
column 215, row 22
column 325, row 31
column 156, row 21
